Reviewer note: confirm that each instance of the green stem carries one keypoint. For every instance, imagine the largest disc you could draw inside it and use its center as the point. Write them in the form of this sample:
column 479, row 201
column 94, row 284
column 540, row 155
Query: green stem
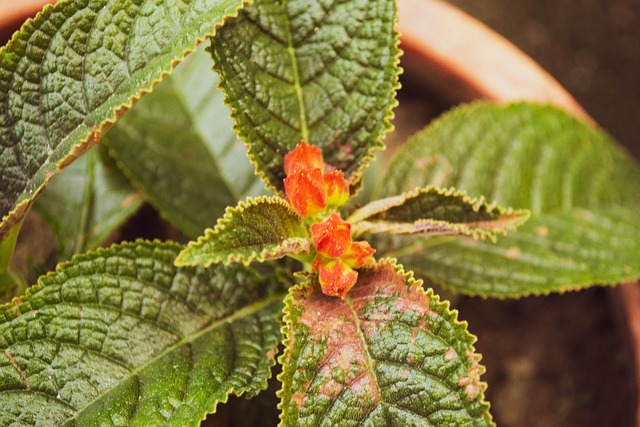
column 7, row 245
column 87, row 204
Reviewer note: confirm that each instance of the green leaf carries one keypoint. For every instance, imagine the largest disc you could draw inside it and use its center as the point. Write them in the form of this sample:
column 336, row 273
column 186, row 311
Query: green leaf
column 86, row 203
column 583, row 192
column 122, row 337
column 255, row 230
column 179, row 149
column 389, row 354
column 325, row 72
column 433, row 211
column 70, row 73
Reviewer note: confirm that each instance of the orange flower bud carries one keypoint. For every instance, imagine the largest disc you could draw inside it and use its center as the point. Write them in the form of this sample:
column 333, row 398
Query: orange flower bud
column 306, row 192
column 336, row 278
column 337, row 188
column 303, row 156
column 358, row 254
column 332, row 236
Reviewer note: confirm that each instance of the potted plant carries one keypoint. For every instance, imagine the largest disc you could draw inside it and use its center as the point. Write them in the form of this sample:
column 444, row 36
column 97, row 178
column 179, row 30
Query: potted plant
column 124, row 333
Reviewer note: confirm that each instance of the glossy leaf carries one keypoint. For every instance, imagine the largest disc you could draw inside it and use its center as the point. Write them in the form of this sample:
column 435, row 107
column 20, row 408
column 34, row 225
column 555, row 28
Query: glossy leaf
column 67, row 75
column 432, row 211
column 389, row 354
column 325, row 72
column 255, row 230
column 178, row 148
column 86, row 203
column 583, row 192
column 122, row 337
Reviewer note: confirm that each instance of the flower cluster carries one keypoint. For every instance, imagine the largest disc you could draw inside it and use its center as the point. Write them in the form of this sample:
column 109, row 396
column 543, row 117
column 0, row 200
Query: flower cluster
column 313, row 192
column 337, row 256
column 309, row 189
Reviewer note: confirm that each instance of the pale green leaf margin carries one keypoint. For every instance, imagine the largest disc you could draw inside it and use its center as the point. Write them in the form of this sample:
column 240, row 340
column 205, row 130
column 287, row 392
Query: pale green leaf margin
column 197, row 252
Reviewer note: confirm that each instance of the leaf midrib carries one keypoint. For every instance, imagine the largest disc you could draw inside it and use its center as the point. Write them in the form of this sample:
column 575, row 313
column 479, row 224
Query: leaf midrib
column 304, row 126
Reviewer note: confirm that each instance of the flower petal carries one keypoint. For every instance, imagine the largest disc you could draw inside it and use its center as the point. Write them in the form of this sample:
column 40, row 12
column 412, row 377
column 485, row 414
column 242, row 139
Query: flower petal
column 303, row 156
column 337, row 188
column 332, row 236
column 305, row 191
column 336, row 278
column 358, row 254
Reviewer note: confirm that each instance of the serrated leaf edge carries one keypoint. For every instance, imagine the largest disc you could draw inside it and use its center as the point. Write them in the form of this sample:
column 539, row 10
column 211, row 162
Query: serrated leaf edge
column 409, row 279
column 476, row 229
column 296, row 244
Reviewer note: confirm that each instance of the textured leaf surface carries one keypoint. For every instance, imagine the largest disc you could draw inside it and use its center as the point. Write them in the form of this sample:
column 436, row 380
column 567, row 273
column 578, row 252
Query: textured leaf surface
column 389, row 354
column 179, row 149
column 583, row 192
column 86, row 203
column 122, row 337
column 322, row 71
column 255, row 230
column 71, row 72
column 433, row 211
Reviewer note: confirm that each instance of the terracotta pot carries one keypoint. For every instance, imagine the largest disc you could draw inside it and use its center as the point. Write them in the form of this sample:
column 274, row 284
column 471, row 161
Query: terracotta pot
column 15, row 12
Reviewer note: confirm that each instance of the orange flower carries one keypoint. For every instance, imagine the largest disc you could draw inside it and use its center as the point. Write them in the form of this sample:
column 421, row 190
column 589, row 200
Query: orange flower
column 306, row 192
column 308, row 188
column 303, row 156
column 332, row 236
column 358, row 254
column 310, row 191
column 336, row 278
column 337, row 188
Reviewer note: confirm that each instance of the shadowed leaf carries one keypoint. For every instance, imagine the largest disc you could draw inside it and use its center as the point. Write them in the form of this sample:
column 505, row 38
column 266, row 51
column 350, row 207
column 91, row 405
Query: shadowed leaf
column 389, row 354
column 178, row 148
column 86, row 203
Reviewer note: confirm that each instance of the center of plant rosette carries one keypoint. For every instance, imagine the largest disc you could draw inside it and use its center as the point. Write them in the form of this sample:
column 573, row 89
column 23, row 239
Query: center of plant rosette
column 315, row 194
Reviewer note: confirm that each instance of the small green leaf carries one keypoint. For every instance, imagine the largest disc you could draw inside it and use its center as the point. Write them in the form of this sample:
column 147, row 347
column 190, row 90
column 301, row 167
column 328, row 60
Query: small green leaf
column 325, row 72
column 179, row 149
column 389, row 354
column 70, row 73
column 122, row 337
column 433, row 211
column 86, row 203
column 255, row 230
column 583, row 192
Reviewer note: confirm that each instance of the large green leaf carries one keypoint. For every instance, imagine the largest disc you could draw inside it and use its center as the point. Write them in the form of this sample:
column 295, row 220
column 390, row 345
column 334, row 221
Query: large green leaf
column 87, row 202
column 325, row 72
column 122, row 337
column 583, row 192
column 255, row 230
column 67, row 75
column 389, row 354
column 433, row 211
column 179, row 149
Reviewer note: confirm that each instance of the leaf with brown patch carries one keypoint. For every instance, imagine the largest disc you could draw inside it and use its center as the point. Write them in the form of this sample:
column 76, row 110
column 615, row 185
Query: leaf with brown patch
column 389, row 354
